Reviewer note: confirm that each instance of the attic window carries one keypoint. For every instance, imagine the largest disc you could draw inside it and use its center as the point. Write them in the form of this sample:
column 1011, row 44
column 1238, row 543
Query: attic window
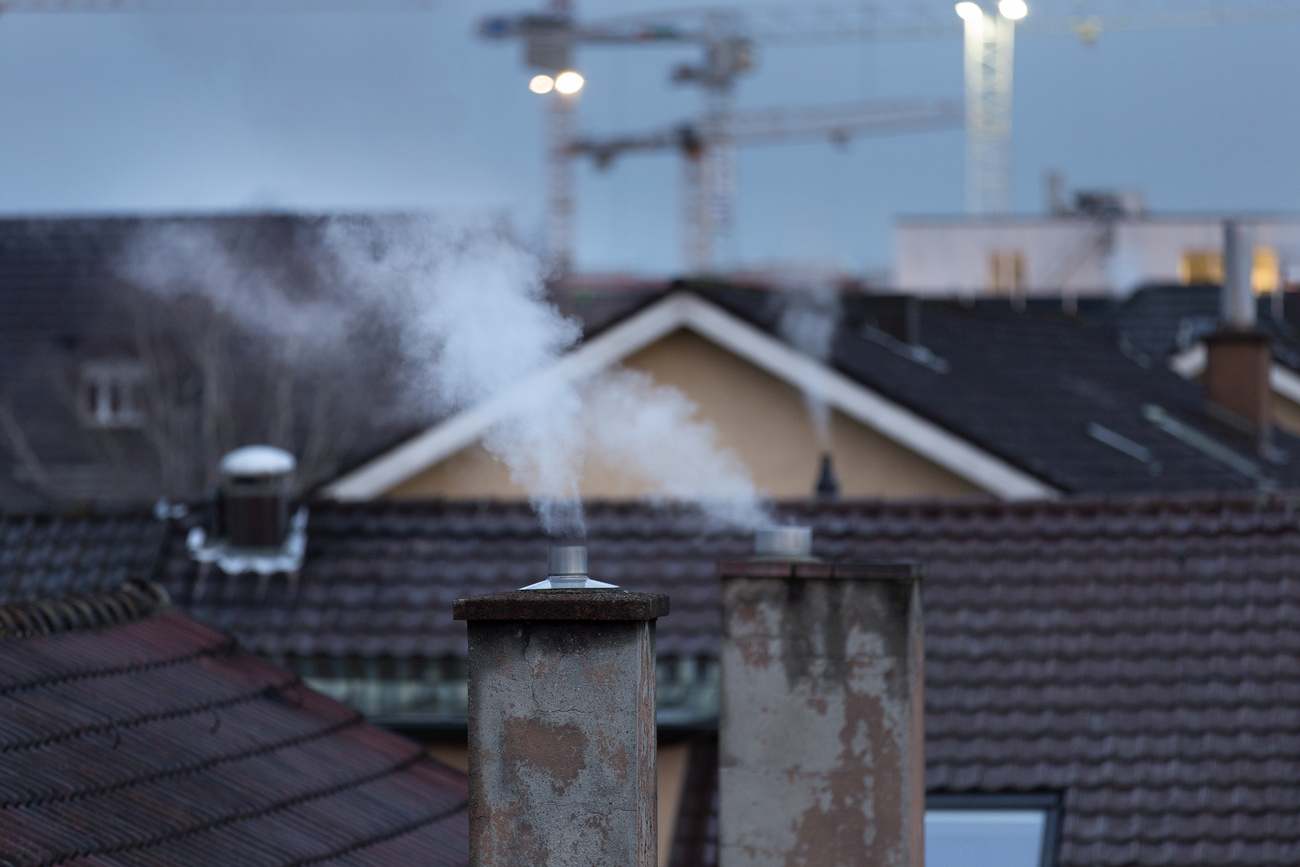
column 1009, row 830
column 109, row 394
column 1007, row 272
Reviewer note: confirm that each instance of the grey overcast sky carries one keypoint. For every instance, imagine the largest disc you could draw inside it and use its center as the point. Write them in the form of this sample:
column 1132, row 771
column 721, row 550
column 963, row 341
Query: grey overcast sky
column 137, row 113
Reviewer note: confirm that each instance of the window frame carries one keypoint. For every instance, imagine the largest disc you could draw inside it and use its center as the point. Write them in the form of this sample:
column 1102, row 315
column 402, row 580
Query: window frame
column 1050, row 803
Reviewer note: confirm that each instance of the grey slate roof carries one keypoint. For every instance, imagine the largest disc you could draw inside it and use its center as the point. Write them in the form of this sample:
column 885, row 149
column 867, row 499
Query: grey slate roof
column 1140, row 656
column 1042, row 391
column 1159, row 320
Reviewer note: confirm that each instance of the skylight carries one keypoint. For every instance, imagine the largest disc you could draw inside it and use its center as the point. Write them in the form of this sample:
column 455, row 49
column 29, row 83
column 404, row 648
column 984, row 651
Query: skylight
column 991, row 831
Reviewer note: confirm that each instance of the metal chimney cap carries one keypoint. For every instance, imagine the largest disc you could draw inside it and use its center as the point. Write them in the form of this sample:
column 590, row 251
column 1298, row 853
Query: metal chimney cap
column 257, row 461
column 783, row 543
column 566, row 569
column 566, row 560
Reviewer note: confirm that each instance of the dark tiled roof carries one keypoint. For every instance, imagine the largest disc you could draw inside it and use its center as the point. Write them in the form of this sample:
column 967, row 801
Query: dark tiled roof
column 1141, row 656
column 1031, row 387
column 379, row 578
column 49, row 555
column 159, row 741
column 1159, row 320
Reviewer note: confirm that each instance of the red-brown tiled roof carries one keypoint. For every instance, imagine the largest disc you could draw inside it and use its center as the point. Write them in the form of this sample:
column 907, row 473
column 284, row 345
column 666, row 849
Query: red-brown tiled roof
column 151, row 740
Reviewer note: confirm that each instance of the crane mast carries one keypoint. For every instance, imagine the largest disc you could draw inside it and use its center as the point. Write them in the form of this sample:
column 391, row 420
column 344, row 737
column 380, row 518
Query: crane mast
column 988, row 29
column 835, row 123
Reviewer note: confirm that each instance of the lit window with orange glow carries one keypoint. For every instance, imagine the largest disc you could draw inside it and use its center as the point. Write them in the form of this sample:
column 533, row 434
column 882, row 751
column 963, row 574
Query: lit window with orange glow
column 1265, row 271
column 1199, row 267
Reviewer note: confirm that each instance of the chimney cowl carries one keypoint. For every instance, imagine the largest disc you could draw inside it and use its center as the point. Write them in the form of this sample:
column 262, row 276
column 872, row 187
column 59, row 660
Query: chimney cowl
column 253, row 506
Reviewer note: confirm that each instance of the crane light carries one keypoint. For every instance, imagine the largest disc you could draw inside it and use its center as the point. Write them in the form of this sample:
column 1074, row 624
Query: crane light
column 541, row 84
column 569, row 82
column 1013, row 9
column 968, row 11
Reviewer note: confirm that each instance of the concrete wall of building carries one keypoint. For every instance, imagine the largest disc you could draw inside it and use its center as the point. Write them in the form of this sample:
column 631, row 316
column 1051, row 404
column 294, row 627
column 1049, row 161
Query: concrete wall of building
column 763, row 420
column 952, row 258
column 1072, row 254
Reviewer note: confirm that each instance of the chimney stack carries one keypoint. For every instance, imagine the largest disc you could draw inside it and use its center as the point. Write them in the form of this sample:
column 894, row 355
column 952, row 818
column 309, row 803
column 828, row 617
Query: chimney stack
column 821, row 740
column 1238, row 357
column 562, row 723
column 256, row 482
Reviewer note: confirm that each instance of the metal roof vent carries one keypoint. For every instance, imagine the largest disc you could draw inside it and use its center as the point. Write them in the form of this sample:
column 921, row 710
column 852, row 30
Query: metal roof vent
column 783, row 543
column 253, row 530
column 566, row 569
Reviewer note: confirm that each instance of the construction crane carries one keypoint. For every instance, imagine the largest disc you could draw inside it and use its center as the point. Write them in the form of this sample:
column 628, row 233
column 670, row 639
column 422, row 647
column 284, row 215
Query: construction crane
column 836, row 123
column 728, row 36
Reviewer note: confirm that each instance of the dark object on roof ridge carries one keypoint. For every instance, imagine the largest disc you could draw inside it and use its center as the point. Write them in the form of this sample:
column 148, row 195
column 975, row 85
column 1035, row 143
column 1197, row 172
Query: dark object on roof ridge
column 131, row 601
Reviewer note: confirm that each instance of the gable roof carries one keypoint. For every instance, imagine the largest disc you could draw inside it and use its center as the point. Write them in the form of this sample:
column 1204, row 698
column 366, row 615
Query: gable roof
column 1052, row 395
column 685, row 310
column 1020, row 403
column 134, row 735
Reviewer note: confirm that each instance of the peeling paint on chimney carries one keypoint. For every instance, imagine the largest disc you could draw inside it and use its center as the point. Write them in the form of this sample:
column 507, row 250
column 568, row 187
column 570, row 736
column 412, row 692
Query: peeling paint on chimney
column 562, row 728
column 821, row 738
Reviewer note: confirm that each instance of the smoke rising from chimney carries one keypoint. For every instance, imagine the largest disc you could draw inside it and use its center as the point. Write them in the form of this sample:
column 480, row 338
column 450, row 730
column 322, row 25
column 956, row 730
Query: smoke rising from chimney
column 466, row 307
column 809, row 315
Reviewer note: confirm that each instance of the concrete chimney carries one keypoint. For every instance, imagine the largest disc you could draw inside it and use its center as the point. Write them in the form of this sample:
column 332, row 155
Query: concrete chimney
column 562, row 727
column 821, row 740
column 1238, row 358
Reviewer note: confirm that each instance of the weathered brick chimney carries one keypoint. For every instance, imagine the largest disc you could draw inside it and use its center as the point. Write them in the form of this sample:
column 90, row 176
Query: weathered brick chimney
column 821, row 737
column 562, row 723
column 1238, row 357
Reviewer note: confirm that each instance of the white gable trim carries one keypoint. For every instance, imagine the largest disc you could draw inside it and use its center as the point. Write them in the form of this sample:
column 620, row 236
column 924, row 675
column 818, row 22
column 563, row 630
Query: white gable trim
column 685, row 310
column 1190, row 363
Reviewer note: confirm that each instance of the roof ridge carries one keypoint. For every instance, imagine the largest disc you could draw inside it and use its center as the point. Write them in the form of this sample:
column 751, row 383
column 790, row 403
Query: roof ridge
column 133, row 600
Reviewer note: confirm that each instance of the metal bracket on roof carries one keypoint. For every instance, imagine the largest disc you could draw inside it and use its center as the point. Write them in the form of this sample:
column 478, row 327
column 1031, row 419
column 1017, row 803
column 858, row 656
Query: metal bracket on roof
column 1121, row 443
column 912, row 352
column 1208, row 446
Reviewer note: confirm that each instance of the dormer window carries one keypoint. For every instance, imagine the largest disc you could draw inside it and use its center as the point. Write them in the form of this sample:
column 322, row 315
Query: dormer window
column 109, row 395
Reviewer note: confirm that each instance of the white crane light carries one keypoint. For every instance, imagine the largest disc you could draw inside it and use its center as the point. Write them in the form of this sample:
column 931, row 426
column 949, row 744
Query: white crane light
column 1013, row 9
column 541, row 84
column 968, row 11
column 569, row 82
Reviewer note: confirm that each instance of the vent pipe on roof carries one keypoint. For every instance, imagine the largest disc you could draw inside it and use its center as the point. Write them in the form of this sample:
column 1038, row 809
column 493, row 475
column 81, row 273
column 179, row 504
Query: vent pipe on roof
column 828, row 486
column 566, row 569
column 1238, row 302
column 1238, row 358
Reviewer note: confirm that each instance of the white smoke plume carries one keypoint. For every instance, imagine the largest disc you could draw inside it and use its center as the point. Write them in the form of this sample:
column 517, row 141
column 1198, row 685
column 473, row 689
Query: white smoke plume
column 466, row 309
column 651, row 431
column 809, row 315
